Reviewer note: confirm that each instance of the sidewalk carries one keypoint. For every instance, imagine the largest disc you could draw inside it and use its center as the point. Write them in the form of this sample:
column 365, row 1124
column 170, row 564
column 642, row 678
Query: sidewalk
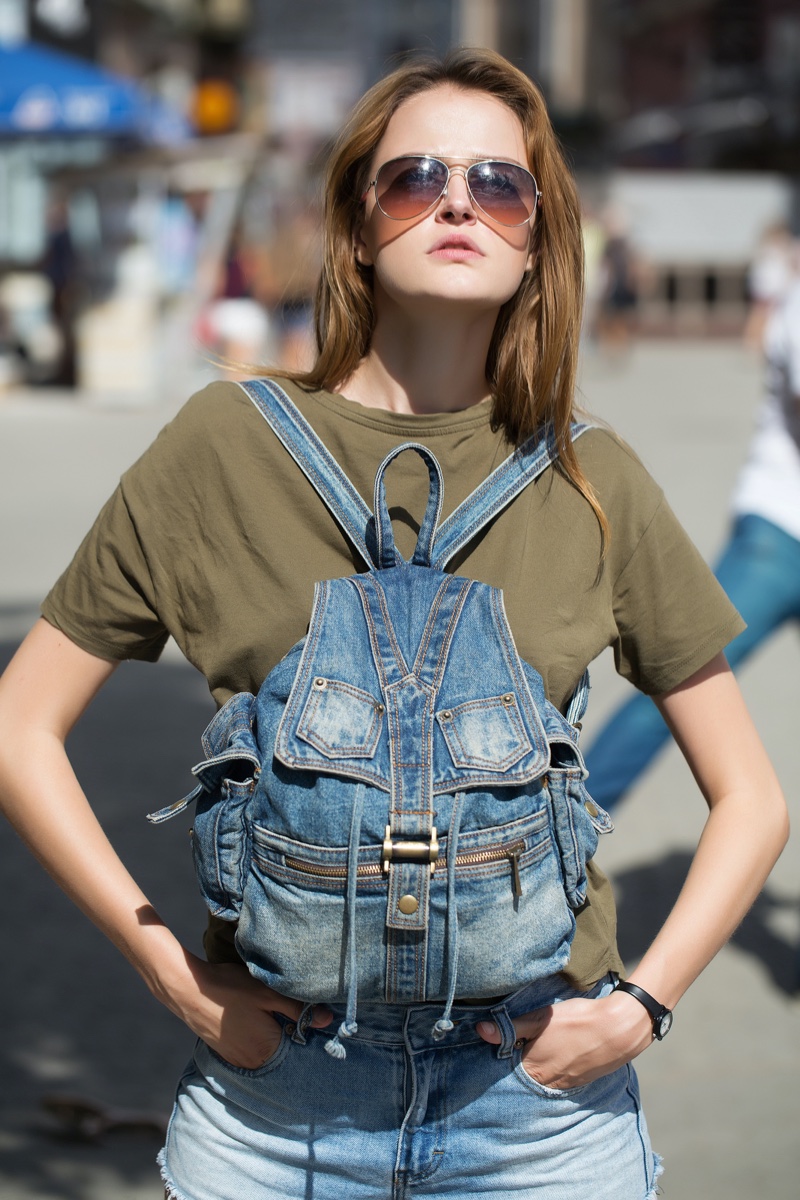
column 721, row 1093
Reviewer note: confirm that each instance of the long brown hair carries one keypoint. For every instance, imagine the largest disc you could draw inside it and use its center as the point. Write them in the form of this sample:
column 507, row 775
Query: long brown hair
column 532, row 359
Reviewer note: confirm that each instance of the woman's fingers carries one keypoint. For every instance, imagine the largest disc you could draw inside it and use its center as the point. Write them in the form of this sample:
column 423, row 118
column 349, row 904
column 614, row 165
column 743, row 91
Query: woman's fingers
column 571, row 1043
column 527, row 1027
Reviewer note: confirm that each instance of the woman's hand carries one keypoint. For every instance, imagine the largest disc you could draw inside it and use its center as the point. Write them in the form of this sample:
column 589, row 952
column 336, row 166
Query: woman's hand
column 232, row 1012
column 572, row 1042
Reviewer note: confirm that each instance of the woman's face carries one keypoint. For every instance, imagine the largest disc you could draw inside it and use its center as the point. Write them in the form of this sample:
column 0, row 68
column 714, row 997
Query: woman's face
column 453, row 254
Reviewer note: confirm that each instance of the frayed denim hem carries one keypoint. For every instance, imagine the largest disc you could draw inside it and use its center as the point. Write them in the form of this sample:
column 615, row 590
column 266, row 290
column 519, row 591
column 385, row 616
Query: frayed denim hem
column 170, row 1191
column 655, row 1190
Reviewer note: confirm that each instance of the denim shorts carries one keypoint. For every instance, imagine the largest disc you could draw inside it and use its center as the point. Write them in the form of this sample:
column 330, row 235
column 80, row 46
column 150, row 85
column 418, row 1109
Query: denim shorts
column 406, row 1116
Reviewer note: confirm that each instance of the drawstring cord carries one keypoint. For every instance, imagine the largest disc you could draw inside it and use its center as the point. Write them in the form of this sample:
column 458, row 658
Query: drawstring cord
column 445, row 1023
column 349, row 1025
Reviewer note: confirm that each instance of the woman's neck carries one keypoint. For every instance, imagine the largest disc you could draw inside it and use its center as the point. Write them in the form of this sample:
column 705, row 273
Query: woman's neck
column 424, row 366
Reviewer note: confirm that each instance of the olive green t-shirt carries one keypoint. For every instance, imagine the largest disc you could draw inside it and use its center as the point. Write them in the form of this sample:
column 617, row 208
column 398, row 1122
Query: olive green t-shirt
column 216, row 537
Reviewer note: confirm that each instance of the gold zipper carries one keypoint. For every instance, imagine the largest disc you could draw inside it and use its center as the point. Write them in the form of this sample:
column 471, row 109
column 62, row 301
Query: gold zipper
column 374, row 871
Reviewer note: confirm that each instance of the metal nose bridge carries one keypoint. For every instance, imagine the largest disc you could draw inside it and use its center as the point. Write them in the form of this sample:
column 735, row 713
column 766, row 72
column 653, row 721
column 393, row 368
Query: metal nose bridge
column 446, row 189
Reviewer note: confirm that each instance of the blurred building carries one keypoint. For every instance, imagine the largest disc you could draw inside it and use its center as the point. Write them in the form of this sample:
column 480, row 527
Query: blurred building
column 707, row 83
column 681, row 118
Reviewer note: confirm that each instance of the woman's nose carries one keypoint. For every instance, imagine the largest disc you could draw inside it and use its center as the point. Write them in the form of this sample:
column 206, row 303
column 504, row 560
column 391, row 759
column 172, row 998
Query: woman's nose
column 456, row 201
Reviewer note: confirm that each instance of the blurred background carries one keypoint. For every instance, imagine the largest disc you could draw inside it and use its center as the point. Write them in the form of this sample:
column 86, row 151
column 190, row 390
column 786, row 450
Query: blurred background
column 159, row 165
column 159, row 213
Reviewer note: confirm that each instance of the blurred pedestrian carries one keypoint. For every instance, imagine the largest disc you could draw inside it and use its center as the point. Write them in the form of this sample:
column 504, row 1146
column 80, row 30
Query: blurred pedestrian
column 770, row 277
column 236, row 324
column 60, row 266
column 759, row 567
column 448, row 312
column 619, row 291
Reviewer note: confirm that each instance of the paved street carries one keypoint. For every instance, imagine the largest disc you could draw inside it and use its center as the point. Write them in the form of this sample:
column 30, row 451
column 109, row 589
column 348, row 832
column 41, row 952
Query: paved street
column 722, row 1093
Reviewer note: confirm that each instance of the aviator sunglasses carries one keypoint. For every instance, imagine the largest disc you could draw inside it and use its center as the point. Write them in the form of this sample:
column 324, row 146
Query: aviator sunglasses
column 407, row 187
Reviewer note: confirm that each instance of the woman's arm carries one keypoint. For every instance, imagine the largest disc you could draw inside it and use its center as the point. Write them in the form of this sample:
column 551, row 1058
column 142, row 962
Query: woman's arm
column 48, row 684
column 578, row 1040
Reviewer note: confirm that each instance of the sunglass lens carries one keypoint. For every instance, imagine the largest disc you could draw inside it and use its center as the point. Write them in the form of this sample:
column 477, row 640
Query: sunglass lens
column 505, row 193
column 406, row 187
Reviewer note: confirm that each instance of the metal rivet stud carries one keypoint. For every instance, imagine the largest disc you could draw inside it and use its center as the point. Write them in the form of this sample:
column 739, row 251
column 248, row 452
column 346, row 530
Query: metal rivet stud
column 290, row 1029
column 408, row 905
column 320, row 683
column 447, row 715
column 508, row 699
column 379, row 709
column 591, row 808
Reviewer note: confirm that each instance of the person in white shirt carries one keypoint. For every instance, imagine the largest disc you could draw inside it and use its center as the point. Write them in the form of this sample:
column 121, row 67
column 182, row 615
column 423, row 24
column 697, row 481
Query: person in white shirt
column 759, row 567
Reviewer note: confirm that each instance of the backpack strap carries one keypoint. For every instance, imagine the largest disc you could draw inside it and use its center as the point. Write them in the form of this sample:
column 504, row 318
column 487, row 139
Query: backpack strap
column 324, row 473
column 315, row 461
column 496, row 492
column 387, row 556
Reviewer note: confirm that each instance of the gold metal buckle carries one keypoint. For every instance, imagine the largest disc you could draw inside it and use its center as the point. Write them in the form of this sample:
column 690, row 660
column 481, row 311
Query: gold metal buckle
column 419, row 852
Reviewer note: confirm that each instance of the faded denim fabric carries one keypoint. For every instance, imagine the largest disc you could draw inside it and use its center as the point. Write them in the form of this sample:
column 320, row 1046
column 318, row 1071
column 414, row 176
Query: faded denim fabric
column 400, row 815
column 411, row 1118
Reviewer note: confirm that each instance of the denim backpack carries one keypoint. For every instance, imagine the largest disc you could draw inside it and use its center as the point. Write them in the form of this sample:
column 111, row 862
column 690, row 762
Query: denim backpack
column 400, row 813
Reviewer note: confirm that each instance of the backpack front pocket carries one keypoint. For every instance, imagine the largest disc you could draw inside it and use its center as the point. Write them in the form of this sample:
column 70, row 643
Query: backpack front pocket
column 341, row 720
column 513, row 920
column 485, row 735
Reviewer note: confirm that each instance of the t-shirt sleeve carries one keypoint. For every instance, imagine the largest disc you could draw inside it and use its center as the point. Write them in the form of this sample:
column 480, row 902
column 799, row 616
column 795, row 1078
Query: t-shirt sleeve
column 105, row 601
column 672, row 615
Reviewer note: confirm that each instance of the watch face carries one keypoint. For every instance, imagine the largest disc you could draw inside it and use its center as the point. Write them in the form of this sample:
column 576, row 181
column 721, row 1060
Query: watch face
column 663, row 1025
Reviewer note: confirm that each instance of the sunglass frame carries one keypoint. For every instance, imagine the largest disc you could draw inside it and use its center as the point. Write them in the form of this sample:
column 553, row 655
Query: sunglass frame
column 537, row 195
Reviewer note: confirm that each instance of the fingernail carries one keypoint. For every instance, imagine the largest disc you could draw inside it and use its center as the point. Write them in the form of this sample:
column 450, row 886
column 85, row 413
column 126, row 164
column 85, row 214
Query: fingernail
column 487, row 1028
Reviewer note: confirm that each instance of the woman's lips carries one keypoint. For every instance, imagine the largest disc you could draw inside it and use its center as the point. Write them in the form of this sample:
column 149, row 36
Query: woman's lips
column 455, row 248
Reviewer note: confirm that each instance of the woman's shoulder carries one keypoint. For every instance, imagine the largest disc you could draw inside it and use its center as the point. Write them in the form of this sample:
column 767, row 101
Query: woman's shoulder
column 209, row 411
column 631, row 499
column 213, row 427
column 614, row 469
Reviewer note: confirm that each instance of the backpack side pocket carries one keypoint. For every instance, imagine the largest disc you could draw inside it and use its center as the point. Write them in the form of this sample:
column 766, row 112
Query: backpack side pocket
column 577, row 823
column 226, row 781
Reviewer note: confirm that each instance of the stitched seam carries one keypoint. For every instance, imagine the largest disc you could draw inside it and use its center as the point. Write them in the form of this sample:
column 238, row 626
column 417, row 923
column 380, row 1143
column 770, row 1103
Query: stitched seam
column 389, row 629
column 512, row 659
column 291, row 425
column 447, row 639
column 350, row 772
column 304, row 667
column 366, row 598
column 427, row 634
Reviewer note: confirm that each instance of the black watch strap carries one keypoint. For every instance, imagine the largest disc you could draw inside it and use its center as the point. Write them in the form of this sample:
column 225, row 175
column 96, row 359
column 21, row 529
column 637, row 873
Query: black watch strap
column 662, row 1016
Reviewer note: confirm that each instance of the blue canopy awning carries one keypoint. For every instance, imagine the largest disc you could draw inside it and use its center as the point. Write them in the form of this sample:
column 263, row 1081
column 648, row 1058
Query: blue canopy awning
column 43, row 91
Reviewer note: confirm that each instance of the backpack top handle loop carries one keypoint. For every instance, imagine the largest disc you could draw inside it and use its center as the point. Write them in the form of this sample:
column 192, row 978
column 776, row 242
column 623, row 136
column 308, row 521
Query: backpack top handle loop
column 387, row 556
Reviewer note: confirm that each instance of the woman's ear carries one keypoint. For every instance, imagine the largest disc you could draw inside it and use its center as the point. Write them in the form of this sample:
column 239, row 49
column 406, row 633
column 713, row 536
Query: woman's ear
column 361, row 250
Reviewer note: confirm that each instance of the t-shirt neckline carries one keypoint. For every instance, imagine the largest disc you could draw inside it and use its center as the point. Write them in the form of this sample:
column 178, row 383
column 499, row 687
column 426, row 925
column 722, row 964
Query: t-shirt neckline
column 379, row 418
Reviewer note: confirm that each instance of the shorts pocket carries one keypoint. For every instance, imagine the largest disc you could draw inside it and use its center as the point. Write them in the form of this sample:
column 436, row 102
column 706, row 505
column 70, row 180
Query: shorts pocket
column 542, row 1089
column 206, row 1058
column 603, row 987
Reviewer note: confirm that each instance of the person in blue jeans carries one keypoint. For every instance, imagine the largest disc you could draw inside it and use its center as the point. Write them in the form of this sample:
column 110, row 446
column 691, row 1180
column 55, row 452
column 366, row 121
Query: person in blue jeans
column 759, row 566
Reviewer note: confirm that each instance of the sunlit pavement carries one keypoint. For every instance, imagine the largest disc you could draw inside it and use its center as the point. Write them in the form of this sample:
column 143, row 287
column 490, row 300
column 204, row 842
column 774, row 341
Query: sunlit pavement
column 722, row 1094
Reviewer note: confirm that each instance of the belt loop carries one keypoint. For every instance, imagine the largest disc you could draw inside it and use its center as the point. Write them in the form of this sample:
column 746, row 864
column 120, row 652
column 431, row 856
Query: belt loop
column 303, row 1022
column 505, row 1028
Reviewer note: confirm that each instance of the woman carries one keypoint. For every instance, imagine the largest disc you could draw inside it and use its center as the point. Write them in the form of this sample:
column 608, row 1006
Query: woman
column 456, row 325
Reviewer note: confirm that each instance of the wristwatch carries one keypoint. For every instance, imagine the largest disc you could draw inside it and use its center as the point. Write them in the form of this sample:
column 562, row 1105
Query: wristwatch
column 662, row 1017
